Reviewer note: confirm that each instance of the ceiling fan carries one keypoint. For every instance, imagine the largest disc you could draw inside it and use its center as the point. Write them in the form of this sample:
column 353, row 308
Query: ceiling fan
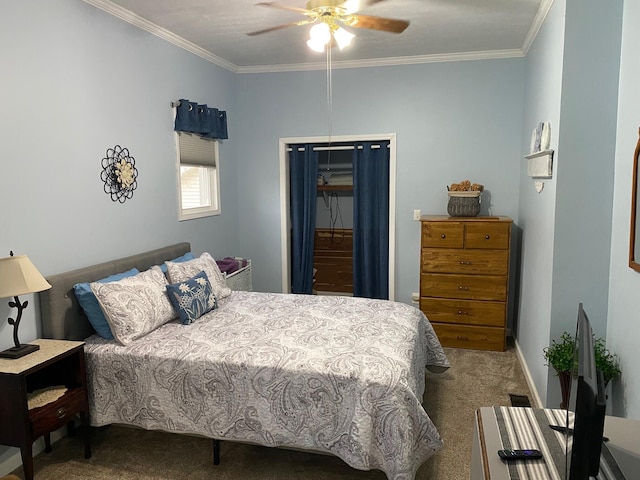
column 328, row 17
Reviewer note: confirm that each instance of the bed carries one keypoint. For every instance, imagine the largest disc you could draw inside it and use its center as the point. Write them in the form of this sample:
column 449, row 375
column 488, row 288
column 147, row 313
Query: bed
column 337, row 375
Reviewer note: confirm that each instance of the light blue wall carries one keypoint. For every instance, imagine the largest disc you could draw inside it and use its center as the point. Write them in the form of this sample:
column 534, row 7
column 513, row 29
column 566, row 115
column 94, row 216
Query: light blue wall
column 453, row 121
column 572, row 77
column 536, row 214
column 75, row 82
column 585, row 164
column 623, row 327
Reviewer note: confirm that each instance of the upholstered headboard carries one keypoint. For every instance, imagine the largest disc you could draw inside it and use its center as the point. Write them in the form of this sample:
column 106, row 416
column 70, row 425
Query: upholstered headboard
column 62, row 316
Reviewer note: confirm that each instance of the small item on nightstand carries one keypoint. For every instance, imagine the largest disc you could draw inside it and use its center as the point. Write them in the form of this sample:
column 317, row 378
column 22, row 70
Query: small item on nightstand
column 18, row 276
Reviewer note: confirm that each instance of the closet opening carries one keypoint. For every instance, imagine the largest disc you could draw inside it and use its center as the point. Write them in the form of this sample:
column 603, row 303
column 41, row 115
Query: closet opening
column 327, row 189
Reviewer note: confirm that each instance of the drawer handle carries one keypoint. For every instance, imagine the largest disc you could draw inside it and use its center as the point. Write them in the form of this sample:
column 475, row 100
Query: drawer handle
column 462, row 287
column 464, row 339
column 61, row 412
column 443, row 236
column 465, row 262
column 462, row 312
column 487, row 237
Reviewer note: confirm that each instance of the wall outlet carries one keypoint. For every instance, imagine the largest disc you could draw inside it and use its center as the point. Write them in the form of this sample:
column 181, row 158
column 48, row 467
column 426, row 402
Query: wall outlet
column 415, row 297
column 417, row 214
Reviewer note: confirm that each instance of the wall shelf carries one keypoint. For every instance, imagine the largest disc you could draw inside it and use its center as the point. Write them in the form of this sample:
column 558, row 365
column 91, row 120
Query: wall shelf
column 539, row 164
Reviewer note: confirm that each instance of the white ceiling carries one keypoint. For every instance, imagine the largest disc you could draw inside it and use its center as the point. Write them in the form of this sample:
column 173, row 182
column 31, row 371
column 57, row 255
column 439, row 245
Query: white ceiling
column 440, row 30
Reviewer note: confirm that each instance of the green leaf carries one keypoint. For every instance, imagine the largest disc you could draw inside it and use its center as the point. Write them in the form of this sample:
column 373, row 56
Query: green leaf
column 560, row 356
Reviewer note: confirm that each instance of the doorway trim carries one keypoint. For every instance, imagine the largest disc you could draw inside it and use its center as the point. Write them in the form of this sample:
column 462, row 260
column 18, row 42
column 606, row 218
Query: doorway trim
column 284, row 199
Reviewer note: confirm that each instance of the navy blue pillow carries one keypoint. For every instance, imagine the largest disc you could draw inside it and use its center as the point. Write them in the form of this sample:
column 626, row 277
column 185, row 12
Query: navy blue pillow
column 192, row 298
column 91, row 307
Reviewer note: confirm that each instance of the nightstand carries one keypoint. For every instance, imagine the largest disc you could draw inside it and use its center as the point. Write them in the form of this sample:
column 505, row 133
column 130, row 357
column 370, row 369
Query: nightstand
column 55, row 374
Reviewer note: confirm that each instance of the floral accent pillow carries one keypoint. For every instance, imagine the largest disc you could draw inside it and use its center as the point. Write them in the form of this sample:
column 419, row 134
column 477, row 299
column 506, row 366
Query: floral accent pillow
column 135, row 306
column 180, row 272
column 192, row 298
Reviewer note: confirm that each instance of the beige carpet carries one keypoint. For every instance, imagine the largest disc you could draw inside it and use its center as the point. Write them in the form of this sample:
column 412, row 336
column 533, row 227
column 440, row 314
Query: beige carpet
column 475, row 379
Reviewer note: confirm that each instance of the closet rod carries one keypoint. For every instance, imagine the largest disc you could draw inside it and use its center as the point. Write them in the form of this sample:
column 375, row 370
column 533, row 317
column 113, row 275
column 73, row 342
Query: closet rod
column 333, row 148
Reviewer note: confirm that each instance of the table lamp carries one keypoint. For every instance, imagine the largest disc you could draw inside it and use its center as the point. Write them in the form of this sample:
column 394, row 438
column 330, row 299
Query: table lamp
column 18, row 276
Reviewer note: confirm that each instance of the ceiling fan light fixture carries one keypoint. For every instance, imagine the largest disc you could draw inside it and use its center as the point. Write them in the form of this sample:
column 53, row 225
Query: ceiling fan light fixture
column 320, row 33
column 320, row 36
column 351, row 6
column 315, row 45
column 343, row 37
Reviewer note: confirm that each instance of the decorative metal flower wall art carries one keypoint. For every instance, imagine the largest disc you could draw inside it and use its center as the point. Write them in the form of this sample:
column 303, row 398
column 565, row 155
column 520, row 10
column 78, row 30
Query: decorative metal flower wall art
column 119, row 174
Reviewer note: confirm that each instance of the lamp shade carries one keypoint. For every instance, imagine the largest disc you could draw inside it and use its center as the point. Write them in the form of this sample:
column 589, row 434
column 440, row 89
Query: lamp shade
column 18, row 276
column 343, row 38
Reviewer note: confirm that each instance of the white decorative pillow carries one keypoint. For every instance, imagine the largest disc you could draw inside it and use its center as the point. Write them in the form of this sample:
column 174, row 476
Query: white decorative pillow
column 134, row 306
column 183, row 271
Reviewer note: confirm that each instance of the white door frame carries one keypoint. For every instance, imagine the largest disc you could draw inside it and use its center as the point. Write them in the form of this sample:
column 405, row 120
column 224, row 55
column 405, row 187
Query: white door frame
column 284, row 199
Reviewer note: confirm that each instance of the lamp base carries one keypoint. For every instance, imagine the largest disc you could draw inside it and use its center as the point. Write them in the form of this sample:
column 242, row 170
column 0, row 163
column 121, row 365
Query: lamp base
column 21, row 351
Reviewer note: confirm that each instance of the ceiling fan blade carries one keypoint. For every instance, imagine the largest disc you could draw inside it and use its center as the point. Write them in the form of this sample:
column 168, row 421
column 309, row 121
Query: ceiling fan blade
column 277, row 27
column 280, row 6
column 379, row 23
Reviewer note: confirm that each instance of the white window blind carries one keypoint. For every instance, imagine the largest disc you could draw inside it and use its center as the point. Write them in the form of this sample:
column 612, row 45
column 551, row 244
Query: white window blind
column 196, row 150
column 199, row 185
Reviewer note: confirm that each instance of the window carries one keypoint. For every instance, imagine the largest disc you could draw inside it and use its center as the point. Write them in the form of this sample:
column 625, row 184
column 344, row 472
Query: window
column 198, row 177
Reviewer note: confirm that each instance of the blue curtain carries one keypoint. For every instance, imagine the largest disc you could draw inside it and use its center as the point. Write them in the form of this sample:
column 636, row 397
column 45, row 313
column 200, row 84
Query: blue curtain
column 371, row 220
column 201, row 120
column 303, row 171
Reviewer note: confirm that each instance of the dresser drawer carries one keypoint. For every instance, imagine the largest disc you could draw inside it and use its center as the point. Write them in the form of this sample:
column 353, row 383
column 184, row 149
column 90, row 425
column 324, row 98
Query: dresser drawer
column 469, row 287
column 491, row 314
column 443, row 235
column 333, row 274
column 466, row 336
column 487, row 235
column 447, row 260
column 56, row 414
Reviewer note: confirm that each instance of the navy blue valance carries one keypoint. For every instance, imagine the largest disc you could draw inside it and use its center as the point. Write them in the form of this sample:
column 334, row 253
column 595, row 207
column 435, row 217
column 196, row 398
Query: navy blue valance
column 201, row 120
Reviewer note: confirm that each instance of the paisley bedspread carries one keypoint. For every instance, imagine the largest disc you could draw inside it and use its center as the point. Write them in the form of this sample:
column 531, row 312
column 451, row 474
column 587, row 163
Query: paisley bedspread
column 340, row 375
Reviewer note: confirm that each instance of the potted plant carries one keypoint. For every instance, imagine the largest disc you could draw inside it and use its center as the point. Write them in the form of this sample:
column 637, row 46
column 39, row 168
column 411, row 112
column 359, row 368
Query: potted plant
column 606, row 361
column 560, row 356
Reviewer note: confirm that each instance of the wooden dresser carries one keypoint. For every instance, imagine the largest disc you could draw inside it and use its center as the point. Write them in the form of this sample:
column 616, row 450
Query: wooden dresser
column 333, row 260
column 464, row 279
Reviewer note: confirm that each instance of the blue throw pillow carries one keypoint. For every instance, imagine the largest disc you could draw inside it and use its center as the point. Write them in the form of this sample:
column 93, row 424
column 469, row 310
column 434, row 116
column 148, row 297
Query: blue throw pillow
column 183, row 258
column 91, row 307
column 192, row 298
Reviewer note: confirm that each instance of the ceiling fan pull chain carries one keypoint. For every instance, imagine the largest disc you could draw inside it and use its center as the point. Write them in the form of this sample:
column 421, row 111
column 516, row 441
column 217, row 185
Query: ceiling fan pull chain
column 329, row 102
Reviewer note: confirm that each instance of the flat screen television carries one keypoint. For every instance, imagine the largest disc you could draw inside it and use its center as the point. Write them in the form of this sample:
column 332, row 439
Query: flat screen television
column 588, row 402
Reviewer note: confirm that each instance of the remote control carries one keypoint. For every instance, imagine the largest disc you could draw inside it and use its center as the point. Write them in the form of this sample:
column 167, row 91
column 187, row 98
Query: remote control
column 519, row 454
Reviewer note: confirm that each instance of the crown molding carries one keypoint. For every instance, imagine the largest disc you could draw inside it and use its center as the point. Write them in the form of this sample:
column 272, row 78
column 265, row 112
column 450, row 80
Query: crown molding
column 385, row 62
column 536, row 25
column 136, row 20
column 130, row 17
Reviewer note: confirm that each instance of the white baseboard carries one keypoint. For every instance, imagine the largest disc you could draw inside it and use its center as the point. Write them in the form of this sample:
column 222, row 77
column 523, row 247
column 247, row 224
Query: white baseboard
column 537, row 402
column 12, row 458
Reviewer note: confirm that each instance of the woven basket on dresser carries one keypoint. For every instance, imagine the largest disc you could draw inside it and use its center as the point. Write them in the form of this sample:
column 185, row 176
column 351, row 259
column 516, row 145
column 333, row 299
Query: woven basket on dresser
column 464, row 204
